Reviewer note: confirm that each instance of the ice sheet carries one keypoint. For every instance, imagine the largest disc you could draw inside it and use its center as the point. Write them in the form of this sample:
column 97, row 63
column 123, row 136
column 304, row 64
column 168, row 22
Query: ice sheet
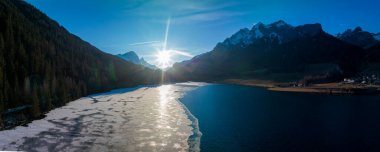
column 137, row 119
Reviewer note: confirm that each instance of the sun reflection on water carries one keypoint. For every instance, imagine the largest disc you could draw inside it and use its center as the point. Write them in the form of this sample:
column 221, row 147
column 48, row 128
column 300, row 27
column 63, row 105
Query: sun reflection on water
column 164, row 92
column 164, row 105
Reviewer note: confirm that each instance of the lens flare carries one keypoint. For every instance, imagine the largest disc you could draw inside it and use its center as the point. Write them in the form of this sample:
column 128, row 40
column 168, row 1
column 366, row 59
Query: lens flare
column 163, row 59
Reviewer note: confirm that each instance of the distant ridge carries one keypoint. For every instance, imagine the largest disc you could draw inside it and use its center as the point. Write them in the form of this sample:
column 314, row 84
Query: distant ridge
column 277, row 52
column 359, row 37
column 131, row 56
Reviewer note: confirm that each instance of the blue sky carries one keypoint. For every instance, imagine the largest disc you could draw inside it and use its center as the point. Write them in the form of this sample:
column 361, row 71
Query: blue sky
column 118, row 26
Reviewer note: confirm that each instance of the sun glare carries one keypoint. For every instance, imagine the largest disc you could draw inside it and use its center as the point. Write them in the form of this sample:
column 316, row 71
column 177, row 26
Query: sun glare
column 163, row 59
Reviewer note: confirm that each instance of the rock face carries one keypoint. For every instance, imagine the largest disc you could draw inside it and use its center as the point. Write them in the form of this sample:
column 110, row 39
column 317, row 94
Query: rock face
column 276, row 51
column 278, row 32
column 131, row 56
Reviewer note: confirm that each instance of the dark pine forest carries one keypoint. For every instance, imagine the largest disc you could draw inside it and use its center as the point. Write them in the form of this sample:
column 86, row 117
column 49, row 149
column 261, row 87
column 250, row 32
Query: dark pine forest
column 43, row 66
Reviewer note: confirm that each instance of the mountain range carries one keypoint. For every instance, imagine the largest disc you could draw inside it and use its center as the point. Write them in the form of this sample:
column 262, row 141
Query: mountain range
column 285, row 53
column 359, row 37
column 43, row 66
column 131, row 56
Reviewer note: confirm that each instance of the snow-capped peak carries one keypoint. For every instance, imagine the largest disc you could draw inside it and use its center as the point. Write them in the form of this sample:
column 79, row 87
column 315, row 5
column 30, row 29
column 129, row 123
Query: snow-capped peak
column 359, row 37
column 278, row 32
column 246, row 36
column 242, row 35
column 132, row 57
column 259, row 30
column 258, row 25
column 278, row 24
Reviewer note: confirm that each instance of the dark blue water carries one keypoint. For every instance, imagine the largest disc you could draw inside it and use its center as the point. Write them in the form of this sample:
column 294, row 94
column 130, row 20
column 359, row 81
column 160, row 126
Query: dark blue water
column 240, row 118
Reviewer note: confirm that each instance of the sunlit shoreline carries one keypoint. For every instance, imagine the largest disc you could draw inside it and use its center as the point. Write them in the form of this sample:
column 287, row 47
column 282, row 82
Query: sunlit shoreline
column 147, row 118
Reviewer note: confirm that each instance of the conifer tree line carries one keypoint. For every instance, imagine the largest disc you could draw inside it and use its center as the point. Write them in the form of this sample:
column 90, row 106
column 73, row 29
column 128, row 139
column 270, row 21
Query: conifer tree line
column 44, row 66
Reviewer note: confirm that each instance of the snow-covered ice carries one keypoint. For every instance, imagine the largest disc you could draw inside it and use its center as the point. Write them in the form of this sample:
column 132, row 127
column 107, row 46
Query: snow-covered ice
column 137, row 119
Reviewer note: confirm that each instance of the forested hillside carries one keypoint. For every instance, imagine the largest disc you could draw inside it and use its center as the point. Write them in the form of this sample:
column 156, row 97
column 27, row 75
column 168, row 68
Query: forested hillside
column 43, row 66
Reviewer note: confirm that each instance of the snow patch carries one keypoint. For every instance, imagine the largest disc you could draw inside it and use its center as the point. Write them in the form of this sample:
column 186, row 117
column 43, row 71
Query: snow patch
column 280, row 24
column 377, row 36
column 274, row 35
column 243, row 36
column 257, row 25
column 258, row 33
column 236, row 38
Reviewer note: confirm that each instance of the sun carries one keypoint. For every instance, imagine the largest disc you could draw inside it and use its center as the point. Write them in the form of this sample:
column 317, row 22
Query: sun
column 163, row 59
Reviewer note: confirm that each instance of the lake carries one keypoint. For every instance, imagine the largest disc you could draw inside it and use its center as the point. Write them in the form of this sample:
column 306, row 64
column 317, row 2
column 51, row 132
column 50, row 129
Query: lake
column 242, row 118
column 230, row 117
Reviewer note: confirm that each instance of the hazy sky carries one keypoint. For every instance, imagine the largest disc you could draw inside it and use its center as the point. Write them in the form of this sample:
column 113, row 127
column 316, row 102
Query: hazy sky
column 117, row 26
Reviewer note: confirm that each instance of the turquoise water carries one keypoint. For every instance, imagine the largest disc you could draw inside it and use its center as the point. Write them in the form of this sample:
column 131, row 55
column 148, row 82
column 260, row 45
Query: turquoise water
column 241, row 118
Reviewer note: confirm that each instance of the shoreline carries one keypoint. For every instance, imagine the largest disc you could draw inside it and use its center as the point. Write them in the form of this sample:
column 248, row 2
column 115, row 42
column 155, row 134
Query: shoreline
column 194, row 140
column 323, row 88
column 102, row 120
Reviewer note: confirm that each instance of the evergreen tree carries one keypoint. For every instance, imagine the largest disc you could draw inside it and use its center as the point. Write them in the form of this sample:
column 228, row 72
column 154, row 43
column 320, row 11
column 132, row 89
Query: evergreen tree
column 43, row 65
column 35, row 104
column 1, row 71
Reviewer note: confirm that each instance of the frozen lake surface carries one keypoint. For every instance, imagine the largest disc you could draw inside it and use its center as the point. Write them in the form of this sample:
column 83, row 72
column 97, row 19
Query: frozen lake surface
column 136, row 119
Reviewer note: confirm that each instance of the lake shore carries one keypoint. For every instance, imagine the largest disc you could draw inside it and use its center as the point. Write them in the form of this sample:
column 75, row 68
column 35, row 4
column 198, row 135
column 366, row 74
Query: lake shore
column 324, row 88
column 145, row 118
